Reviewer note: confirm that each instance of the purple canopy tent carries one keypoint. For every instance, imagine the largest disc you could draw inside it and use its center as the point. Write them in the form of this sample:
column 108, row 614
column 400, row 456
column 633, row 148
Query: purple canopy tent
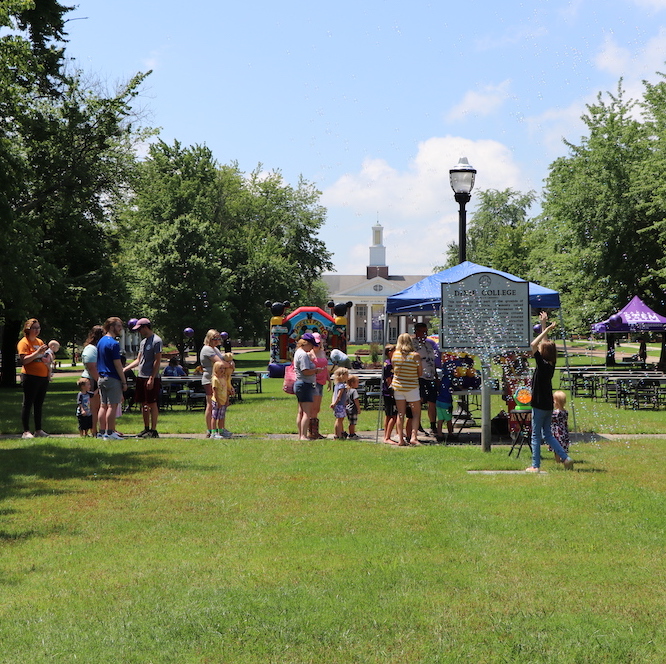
column 635, row 316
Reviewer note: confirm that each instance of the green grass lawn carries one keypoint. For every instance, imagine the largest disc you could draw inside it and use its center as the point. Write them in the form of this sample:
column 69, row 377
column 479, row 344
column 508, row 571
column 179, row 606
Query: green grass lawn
column 270, row 550
column 255, row 550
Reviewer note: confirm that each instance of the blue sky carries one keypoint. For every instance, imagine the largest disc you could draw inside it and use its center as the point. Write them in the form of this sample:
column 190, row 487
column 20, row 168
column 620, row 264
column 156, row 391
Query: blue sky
column 375, row 100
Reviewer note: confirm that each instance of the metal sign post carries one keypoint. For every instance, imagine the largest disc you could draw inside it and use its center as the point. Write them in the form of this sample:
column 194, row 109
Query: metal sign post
column 485, row 314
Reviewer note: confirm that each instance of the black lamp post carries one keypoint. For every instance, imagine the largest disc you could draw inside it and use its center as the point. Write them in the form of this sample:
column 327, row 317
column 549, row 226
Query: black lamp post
column 462, row 182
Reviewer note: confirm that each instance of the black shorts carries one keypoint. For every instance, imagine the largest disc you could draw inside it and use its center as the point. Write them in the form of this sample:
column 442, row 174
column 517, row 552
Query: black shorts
column 390, row 409
column 428, row 389
column 145, row 395
column 85, row 422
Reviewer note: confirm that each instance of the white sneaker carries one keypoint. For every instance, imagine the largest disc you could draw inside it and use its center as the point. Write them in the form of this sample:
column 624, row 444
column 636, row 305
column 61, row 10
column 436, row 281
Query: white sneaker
column 114, row 435
column 27, row 434
column 100, row 435
column 217, row 436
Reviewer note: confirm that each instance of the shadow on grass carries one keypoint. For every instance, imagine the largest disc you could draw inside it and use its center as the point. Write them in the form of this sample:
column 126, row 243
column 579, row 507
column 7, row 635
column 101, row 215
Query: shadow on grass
column 583, row 466
column 35, row 470
column 23, row 469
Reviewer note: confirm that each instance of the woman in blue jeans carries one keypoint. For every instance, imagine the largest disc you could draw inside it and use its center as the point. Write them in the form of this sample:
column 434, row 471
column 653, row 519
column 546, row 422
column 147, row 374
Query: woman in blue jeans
column 545, row 355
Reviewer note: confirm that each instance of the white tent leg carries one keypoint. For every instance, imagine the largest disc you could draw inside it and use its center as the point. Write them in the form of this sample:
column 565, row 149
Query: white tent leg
column 566, row 359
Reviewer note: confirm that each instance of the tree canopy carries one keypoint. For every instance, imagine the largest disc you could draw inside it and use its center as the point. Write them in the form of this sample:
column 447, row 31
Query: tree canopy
column 94, row 231
column 497, row 231
column 205, row 245
column 596, row 243
column 66, row 152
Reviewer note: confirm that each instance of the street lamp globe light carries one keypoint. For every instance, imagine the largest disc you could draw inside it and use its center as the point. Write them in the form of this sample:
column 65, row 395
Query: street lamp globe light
column 462, row 182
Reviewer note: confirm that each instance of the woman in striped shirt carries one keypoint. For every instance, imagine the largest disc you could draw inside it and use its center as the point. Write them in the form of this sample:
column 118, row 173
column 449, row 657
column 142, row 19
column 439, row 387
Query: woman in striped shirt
column 406, row 373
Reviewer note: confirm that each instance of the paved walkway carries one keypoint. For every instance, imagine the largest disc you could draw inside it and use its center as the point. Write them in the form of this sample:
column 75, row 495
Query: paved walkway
column 469, row 437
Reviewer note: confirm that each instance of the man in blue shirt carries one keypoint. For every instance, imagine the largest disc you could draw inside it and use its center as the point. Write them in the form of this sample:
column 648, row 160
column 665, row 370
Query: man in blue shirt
column 112, row 382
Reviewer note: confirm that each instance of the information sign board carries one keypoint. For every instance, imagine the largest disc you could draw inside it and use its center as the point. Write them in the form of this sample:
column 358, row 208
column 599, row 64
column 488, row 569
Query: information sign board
column 485, row 311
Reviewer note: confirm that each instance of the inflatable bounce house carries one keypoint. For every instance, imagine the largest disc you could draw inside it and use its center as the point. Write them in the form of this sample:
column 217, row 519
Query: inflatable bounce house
column 286, row 329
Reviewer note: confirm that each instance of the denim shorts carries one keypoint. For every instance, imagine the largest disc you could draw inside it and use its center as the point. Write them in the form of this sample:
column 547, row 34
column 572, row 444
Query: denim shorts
column 304, row 391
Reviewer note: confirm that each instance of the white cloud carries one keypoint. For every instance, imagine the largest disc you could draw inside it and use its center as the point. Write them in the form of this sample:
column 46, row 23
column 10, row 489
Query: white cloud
column 511, row 37
column 643, row 63
column 152, row 61
column 652, row 4
column 613, row 58
column 415, row 205
column 480, row 102
column 554, row 124
column 571, row 11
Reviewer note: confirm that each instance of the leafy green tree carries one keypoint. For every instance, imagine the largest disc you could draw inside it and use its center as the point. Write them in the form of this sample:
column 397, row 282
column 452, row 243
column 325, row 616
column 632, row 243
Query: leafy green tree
column 595, row 244
column 275, row 249
column 172, row 239
column 66, row 154
column 649, row 186
column 498, row 232
column 499, row 229
column 205, row 245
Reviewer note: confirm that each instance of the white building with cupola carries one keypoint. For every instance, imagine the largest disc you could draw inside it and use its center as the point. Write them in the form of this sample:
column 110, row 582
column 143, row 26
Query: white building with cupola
column 368, row 293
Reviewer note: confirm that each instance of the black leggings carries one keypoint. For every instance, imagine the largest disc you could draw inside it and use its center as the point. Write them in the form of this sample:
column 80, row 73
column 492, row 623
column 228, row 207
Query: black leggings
column 34, row 392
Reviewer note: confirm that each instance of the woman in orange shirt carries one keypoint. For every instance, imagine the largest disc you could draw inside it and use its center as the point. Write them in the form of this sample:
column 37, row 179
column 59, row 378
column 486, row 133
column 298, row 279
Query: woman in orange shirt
column 34, row 376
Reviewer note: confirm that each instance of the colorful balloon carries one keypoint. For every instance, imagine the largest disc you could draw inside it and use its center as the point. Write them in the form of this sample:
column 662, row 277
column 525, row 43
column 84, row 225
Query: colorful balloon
column 188, row 332
column 615, row 321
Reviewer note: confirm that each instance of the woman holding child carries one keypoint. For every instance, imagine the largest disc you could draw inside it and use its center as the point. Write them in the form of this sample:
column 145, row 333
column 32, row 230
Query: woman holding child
column 34, row 376
column 210, row 353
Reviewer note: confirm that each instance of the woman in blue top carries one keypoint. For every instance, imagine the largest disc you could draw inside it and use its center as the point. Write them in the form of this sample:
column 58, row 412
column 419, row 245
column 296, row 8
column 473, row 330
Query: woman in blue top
column 89, row 358
column 545, row 355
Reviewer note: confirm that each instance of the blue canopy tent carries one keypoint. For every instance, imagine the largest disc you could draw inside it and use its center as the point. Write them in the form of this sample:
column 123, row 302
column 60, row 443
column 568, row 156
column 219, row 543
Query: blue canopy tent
column 426, row 295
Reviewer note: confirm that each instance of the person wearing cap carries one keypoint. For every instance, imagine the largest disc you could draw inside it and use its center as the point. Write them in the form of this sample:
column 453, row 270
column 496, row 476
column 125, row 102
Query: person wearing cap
column 148, row 383
column 318, row 356
column 304, row 386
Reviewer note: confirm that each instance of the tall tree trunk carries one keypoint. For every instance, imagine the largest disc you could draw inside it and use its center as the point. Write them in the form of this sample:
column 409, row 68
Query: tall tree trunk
column 9, row 340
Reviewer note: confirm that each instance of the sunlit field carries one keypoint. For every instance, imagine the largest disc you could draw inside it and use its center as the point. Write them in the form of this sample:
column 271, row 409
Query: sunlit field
column 264, row 549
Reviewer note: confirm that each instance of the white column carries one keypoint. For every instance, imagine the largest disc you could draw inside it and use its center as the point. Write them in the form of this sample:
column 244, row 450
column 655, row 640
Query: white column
column 351, row 329
column 368, row 324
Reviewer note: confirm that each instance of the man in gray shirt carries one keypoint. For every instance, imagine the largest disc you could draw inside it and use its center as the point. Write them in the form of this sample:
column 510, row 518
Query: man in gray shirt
column 148, row 384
